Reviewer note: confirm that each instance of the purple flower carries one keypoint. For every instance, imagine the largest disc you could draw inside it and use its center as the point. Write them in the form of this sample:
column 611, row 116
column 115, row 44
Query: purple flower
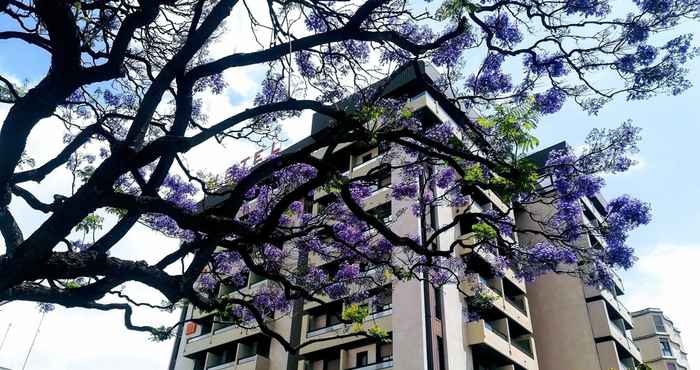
column 348, row 273
column 336, row 290
column 316, row 23
column 404, row 190
column 503, row 29
column 491, row 79
column 655, row 6
column 550, row 101
column 446, row 178
column 588, row 8
column 449, row 53
column 553, row 65
column 306, row 67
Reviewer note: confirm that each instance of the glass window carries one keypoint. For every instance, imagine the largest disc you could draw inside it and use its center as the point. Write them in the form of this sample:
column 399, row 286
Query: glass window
column 437, row 292
column 659, row 323
column 386, row 352
column 382, row 301
column 333, row 364
column 361, row 358
column 670, row 366
column 666, row 347
column 383, row 178
column 382, row 212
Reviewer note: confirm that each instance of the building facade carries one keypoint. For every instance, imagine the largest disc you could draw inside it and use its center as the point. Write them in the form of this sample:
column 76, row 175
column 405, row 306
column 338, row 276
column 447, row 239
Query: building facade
column 659, row 340
column 554, row 323
column 579, row 326
column 426, row 326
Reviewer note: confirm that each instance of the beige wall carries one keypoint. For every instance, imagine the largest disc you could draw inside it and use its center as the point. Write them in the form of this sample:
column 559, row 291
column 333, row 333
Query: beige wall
column 563, row 333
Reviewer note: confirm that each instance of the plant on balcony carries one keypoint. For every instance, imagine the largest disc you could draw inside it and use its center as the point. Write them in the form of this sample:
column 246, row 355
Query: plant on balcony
column 136, row 87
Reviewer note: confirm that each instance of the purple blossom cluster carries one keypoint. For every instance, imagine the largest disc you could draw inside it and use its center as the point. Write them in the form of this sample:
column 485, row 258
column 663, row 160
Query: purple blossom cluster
column 449, row 53
column 541, row 258
column 552, row 65
column 404, row 190
column 305, row 64
column 588, row 8
column 491, row 79
column 623, row 215
column 550, row 101
column 504, row 29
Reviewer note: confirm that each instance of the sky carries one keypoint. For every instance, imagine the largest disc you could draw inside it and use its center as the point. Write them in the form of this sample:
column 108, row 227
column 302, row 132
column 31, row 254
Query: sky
column 667, row 176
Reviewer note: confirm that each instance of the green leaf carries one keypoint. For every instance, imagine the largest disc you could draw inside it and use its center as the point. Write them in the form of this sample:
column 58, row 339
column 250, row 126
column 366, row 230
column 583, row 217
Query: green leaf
column 484, row 231
column 355, row 313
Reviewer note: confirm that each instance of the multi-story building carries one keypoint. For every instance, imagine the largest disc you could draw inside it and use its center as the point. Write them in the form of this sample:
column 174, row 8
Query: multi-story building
column 553, row 323
column 579, row 326
column 659, row 340
column 427, row 326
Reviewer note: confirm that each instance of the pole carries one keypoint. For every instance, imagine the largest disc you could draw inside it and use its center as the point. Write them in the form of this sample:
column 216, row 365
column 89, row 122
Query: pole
column 31, row 346
column 2, row 344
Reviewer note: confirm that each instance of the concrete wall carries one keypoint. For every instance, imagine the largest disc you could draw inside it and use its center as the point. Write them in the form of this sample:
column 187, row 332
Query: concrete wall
column 563, row 333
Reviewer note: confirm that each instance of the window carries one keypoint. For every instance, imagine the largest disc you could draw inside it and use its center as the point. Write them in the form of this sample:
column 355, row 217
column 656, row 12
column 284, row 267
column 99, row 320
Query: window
column 659, row 323
column 437, row 292
column 383, row 178
column 386, row 352
column 382, row 301
column 465, row 225
column 670, row 366
column 382, row 212
column 325, row 316
column 433, row 217
column 322, row 364
column 362, row 158
column 666, row 347
column 361, row 359
column 255, row 278
column 331, row 364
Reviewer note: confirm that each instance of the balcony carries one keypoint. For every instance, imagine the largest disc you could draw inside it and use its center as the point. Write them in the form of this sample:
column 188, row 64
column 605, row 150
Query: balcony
column 383, row 319
column 613, row 356
column 604, row 327
column 513, row 310
column 489, row 339
column 592, row 292
column 425, row 101
column 489, row 258
column 227, row 366
column 255, row 362
column 375, row 366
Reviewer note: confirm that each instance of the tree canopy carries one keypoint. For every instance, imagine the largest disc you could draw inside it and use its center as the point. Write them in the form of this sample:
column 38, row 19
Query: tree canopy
column 127, row 80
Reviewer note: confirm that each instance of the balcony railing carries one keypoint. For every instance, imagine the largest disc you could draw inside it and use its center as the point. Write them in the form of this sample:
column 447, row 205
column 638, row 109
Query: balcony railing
column 222, row 366
column 495, row 331
column 198, row 337
column 375, row 366
column 324, row 330
column 526, row 348
column 247, row 359
column 488, row 285
column 519, row 305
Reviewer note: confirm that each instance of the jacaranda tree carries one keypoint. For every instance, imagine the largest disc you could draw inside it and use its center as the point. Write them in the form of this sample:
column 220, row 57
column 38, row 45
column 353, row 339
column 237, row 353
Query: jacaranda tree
column 127, row 79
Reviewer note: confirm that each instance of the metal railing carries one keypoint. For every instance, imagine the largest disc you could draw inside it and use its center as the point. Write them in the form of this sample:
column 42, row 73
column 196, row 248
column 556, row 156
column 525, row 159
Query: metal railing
column 526, row 348
column 495, row 331
column 374, row 366
column 519, row 305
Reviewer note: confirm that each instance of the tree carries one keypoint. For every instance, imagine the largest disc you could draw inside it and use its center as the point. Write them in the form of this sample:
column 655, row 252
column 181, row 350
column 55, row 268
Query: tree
column 127, row 79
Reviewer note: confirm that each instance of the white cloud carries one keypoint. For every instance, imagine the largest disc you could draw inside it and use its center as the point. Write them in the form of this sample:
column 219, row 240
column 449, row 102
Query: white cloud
column 667, row 277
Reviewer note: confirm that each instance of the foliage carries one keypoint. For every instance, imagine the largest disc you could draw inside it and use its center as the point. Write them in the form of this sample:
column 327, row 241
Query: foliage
column 355, row 313
column 131, row 82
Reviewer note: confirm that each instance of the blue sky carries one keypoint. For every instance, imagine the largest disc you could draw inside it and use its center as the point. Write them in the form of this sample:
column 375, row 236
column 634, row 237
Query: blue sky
column 667, row 177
